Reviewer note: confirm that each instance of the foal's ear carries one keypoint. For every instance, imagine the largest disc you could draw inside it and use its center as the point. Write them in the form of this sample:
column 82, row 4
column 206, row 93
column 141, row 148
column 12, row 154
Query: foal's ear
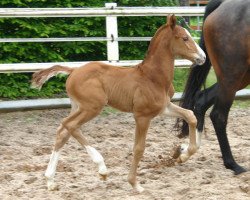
column 171, row 21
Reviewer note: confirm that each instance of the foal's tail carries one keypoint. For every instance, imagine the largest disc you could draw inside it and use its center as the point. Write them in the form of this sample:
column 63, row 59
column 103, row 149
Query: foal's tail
column 40, row 77
column 197, row 76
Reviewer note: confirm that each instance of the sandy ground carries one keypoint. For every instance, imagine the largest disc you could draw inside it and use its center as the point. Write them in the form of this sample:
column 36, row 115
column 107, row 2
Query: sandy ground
column 26, row 141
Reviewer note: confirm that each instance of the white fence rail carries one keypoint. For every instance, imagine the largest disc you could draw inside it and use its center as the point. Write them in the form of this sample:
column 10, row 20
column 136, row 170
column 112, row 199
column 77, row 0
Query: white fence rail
column 110, row 9
column 19, row 105
column 110, row 12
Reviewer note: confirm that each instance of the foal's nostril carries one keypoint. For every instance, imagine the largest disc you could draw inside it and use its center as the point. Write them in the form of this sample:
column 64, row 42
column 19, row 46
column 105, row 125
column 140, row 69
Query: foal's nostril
column 200, row 61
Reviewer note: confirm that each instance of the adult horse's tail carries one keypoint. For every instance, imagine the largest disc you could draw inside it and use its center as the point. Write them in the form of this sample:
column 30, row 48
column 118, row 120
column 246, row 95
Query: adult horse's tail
column 40, row 77
column 197, row 75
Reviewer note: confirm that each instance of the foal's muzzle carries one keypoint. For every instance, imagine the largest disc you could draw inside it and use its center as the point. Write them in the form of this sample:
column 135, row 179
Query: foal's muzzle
column 200, row 61
column 200, row 56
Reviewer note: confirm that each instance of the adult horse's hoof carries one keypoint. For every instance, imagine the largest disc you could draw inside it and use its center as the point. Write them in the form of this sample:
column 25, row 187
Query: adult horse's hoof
column 239, row 170
column 234, row 166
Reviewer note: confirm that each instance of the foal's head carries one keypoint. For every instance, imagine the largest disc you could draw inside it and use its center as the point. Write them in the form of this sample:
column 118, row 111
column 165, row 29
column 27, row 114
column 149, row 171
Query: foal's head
column 182, row 43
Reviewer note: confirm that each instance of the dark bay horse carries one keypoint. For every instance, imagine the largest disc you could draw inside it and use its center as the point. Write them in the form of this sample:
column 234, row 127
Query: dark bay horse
column 226, row 41
column 144, row 90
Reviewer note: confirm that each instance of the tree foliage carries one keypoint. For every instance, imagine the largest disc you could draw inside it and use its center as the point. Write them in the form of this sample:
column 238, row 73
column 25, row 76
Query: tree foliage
column 17, row 85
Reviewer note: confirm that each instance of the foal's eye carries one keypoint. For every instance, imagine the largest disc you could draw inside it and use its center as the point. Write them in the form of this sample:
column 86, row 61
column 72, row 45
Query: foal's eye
column 185, row 39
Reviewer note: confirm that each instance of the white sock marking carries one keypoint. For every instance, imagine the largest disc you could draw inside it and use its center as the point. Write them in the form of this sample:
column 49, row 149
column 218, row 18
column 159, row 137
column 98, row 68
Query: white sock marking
column 51, row 169
column 198, row 138
column 98, row 159
column 184, row 147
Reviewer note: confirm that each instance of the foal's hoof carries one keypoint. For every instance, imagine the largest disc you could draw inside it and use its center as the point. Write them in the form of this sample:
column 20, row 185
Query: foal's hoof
column 137, row 189
column 182, row 158
column 180, row 153
column 52, row 187
column 178, row 160
column 103, row 177
column 179, row 150
column 103, row 172
column 176, row 152
column 51, row 184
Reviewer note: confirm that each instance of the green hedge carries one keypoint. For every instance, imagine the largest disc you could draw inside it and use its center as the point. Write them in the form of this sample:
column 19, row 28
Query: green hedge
column 17, row 85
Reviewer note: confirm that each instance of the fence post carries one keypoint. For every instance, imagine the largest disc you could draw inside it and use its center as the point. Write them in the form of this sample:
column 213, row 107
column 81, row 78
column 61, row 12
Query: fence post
column 112, row 32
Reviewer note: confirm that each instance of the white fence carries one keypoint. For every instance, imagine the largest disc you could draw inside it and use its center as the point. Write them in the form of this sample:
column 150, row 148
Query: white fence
column 110, row 12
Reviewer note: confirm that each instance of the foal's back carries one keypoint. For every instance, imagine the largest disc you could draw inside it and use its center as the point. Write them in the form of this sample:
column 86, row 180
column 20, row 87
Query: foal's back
column 125, row 88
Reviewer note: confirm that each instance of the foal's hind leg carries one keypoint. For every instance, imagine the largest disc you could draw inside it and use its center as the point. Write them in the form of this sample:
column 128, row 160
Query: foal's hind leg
column 62, row 137
column 187, row 115
column 73, row 123
column 71, row 126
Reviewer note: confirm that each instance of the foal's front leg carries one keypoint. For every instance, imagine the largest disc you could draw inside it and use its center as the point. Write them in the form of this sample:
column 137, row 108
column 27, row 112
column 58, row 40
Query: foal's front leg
column 142, row 124
column 194, row 138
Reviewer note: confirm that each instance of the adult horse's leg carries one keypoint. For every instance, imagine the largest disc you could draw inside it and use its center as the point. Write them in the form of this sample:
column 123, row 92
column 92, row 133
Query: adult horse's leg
column 142, row 124
column 197, row 77
column 229, row 54
column 194, row 140
column 203, row 101
column 219, row 117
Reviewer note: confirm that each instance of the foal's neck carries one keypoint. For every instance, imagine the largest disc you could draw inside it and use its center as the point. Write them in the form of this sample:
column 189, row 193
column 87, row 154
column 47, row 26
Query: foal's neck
column 158, row 64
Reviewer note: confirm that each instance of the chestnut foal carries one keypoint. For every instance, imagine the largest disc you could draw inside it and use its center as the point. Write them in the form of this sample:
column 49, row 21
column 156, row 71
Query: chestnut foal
column 145, row 90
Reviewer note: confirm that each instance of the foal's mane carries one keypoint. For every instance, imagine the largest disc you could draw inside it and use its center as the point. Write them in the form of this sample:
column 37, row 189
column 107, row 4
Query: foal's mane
column 153, row 40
